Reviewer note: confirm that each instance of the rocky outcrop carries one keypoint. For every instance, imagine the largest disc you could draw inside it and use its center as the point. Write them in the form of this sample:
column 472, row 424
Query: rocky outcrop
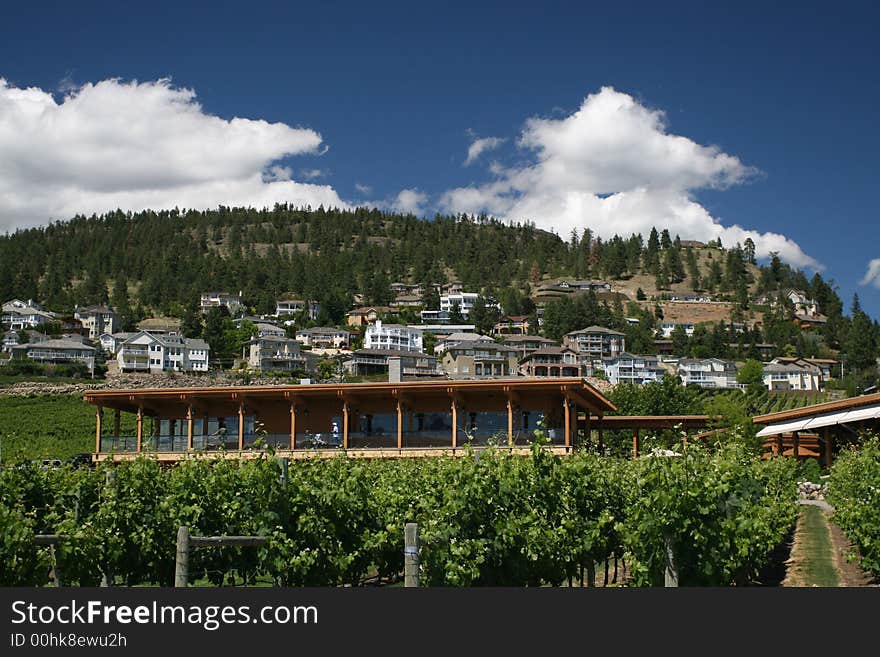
column 810, row 491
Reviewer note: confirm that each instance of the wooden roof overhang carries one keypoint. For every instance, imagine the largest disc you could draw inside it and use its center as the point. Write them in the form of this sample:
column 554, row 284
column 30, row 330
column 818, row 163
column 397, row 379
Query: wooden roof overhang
column 477, row 395
column 817, row 409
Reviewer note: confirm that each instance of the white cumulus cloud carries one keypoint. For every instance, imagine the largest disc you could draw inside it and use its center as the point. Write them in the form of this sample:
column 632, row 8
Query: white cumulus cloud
column 613, row 167
column 410, row 201
column 480, row 146
column 872, row 276
column 136, row 145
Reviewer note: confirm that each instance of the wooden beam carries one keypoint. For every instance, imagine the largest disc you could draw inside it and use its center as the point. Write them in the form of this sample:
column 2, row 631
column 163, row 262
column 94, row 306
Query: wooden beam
column 345, row 411
column 399, row 425
column 635, row 443
column 140, row 428
column 454, row 423
column 795, row 444
column 190, row 427
column 99, row 426
column 292, row 425
column 241, row 426
column 509, row 422
column 565, row 405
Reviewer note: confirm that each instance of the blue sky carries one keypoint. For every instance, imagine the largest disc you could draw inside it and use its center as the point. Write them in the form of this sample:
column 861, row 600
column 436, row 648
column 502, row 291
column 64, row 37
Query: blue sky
column 774, row 107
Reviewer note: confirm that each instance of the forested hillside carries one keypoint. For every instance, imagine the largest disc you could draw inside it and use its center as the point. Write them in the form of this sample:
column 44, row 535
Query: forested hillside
column 159, row 262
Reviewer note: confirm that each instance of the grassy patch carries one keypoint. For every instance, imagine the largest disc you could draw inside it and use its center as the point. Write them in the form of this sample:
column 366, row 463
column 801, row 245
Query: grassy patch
column 813, row 557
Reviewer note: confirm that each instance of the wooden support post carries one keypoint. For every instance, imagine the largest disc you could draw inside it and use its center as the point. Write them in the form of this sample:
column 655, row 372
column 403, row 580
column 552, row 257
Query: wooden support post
column 116, row 422
column 635, row 443
column 181, row 565
column 670, row 572
column 99, row 427
column 795, row 444
column 567, row 427
column 399, row 425
column 284, row 464
column 779, row 445
column 140, row 428
column 292, row 426
column 600, row 438
column 454, row 424
column 588, row 437
column 510, row 422
column 190, row 427
column 345, row 411
column 411, row 555
column 828, row 447
column 241, row 426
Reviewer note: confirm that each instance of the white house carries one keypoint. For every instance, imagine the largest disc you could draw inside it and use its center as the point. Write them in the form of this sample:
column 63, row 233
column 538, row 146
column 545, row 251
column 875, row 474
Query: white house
column 395, row 337
column 145, row 352
column 792, row 376
column 666, row 328
column 708, row 372
column 294, row 306
column 110, row 341
column 630, row 368
column 324, row 337
column 18, row 315
column 465, row 301
column 210, row 300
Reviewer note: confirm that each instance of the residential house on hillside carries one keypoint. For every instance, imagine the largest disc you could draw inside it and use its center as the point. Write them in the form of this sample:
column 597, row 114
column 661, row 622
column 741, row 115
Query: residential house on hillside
column 376, row 361
column 824, row 364
column 63, row 351
column 792, row 376
column 666, row 328
column 366, row 315
column 512, row 325
column 399, row 289
column 477, row 359
column 10, row 339
column 803, row 304
column 146, row 352
column 708, row 373
column 527, row 344
column 160, row 325
column 325, row 337
column 459, row 336
column 274, row 353
column 631, row 368
column 294, row 306
column 553, row 362
column 407, row 301
column 465, row 301
column 110, row 341
column 96, row 320
column 18, row 315
column 596, row 343
column 232, row 302
column 265, row 330
column 434, row 316
column 393, row 336
column 443, row 330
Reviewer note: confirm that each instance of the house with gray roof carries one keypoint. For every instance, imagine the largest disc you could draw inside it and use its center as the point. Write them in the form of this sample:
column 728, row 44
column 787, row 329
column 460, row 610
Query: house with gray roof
column 147, row 352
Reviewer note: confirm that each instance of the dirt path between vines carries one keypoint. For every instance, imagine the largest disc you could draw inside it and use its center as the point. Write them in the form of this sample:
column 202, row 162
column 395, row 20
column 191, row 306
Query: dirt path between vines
column 803, row 557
